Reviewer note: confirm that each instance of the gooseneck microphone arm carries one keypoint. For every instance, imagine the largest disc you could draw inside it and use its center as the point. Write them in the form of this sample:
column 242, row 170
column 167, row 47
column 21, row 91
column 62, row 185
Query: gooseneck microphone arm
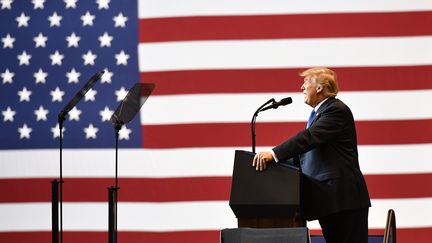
column 264, row 107
column 253, row 122
column 275, row 105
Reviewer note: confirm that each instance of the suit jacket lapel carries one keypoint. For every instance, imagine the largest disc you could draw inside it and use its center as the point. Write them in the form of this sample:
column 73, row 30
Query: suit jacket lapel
column 322, row 108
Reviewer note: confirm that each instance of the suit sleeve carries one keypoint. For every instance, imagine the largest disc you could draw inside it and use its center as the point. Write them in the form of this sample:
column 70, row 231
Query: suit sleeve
column 327, row 127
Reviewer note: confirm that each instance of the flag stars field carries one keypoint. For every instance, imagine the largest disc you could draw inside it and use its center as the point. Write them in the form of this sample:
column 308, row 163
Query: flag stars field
column 73, row 40
column 73, row 76
column 23, row 20
column 70, row 4
column 24, row 94
column 122, row 58
column 40, row 40
column 55, row 20
column 57, row 95
column 107, row 77
column 87, row 19
column 8, row 115
column 6, row 4
column 91, row 131
column 40, row 76
column 56, row 131
column 41, row 114
column 24, row 58
column 124, row 133
column 38, row 4
column 74, row 114
column 7, row 76
column 105, row 40
column 121, row 93
column 103, row 4
column 106, row 114
column 8, row 41
column 120, row 20
column 25, row 131
column 89, row 58
column 90, row 95
column 56, row 58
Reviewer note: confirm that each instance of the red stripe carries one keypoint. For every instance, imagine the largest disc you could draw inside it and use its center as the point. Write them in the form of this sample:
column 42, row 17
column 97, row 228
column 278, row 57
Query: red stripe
column 399, row 186
column 403, row 236
column 285, row 80
column 284, row 26
column 102, row 237
column 271, row 134
column 185, row 189
column 131, row 189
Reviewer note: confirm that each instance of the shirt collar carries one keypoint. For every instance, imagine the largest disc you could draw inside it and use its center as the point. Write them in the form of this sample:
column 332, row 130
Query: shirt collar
column 318, row 106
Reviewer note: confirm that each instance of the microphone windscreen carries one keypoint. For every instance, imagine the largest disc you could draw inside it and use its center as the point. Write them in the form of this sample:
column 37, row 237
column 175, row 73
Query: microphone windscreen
column 286, row 101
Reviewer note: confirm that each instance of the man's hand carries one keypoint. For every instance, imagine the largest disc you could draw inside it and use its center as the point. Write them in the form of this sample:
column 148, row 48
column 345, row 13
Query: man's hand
column 261, row 159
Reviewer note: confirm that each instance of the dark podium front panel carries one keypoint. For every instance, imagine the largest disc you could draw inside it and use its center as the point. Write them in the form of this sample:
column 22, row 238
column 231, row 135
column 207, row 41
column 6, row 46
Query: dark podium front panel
column 266, row 199
column 249, row 235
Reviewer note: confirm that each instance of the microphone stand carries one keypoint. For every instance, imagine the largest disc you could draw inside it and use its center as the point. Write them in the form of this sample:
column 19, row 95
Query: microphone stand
column 253, row 122
column 125, row 112
column 113, row 193
column 54, row 188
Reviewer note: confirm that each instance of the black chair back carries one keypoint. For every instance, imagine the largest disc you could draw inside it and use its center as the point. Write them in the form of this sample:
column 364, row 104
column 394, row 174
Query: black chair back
column 390, row 229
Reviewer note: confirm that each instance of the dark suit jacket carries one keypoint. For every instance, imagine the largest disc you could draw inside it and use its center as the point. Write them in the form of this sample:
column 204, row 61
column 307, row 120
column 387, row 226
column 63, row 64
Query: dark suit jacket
column 332, row 179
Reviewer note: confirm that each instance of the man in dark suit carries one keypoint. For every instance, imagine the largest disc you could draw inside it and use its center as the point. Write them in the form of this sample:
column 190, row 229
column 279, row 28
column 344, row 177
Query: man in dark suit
column 333, row 190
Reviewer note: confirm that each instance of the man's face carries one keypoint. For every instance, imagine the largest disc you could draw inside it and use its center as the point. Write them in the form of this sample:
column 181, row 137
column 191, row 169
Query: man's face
column 310, row 91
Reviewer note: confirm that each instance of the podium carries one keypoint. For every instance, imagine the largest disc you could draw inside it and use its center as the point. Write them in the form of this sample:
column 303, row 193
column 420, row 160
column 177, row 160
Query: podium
column 265, row 199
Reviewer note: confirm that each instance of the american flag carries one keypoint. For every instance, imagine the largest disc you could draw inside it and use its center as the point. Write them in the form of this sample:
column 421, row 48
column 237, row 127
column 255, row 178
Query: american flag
column 214, row 63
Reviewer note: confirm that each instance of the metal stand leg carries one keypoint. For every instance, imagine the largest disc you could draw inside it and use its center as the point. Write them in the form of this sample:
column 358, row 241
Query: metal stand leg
column 112, row 214
column 55, row 210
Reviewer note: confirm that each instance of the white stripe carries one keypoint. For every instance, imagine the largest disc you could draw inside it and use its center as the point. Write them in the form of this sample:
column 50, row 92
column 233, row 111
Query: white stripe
column 285, row 53
column 172, row 8
column 192, row 162
column 410, row 213
column 179, row 216
column 226, row 108
column 131, row 216
column 395, row 159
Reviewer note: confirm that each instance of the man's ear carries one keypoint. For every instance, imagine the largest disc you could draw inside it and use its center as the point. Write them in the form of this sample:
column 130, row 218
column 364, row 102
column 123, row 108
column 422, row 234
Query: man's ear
column 319, row 88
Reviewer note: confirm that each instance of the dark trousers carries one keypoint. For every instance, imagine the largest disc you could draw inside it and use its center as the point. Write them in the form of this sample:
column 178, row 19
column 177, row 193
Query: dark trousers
column 349, row 226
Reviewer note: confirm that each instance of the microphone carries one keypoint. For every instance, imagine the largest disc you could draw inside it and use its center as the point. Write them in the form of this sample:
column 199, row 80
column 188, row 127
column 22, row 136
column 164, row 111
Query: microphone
column 90, row 83
column 275, row 105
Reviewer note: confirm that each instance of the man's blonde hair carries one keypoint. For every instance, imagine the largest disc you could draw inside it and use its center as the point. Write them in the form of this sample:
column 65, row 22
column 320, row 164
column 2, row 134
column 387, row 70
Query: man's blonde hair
column 324, row 76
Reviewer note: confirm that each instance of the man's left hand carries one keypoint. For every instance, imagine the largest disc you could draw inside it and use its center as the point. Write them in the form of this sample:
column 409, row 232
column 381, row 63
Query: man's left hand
column 261, row 159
